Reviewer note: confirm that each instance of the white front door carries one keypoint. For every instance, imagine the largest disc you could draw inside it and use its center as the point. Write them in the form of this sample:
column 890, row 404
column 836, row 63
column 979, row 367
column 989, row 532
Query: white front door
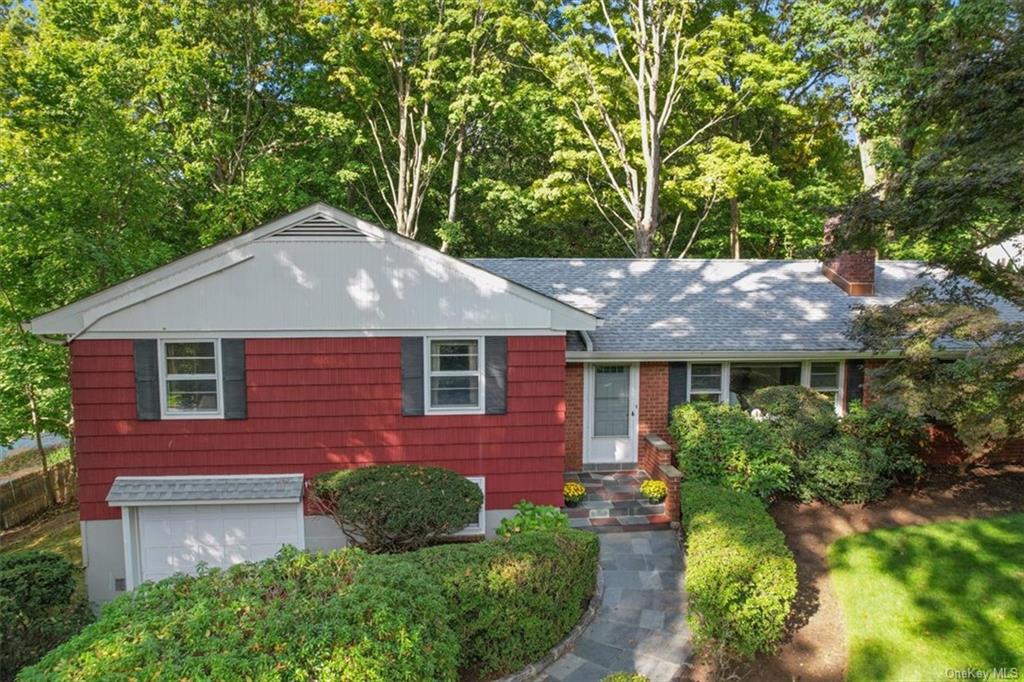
column 176, row 539
column 611, row 427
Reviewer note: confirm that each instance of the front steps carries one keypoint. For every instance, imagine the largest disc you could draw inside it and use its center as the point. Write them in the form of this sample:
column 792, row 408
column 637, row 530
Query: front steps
column 614, row 503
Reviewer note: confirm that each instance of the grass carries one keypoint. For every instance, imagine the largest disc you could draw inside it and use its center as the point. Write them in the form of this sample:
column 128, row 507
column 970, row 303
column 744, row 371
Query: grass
column 921, row 601
column 29, row 459
column 57, row 531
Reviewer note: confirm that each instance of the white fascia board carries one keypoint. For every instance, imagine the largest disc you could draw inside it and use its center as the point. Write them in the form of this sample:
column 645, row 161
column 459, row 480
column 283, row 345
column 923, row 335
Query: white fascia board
column 563, row 316
column 767, row 356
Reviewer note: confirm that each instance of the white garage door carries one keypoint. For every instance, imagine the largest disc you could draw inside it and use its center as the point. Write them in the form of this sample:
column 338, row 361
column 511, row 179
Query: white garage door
column 176, row 539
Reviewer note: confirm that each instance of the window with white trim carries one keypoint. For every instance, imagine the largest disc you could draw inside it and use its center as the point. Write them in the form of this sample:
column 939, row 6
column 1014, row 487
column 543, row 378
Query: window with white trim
column 705, row 383
column 190, row 378
column 825, row 378
column 455, row 375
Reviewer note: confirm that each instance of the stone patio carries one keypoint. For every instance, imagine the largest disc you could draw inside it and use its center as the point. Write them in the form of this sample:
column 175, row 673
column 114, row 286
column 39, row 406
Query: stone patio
column 641, row 624
column 614, row 503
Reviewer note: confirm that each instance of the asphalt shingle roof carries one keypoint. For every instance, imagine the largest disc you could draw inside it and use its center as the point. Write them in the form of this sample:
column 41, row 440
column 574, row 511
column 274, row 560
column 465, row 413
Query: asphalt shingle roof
column 660, row 305
column 136, row 489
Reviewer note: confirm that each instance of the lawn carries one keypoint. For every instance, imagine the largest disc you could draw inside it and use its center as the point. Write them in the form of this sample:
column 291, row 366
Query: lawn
column 923, row 600
column 57, row 531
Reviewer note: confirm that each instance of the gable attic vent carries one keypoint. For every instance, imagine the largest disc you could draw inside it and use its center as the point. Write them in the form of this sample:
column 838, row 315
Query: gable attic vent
column 319, row 227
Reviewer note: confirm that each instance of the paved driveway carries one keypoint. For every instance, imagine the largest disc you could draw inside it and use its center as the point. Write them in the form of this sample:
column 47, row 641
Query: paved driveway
column 641, row 625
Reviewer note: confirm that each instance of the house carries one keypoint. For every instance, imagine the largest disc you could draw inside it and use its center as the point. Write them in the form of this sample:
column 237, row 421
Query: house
column 208, row 391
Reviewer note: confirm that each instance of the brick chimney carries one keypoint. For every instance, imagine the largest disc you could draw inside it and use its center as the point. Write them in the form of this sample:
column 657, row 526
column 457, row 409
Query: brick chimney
column 851, row 271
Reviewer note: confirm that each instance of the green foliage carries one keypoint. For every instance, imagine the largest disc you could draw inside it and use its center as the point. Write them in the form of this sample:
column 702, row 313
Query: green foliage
column 723, row 445
column 981, row 393
column 626, row 677
column 511, row 601
column 533, row 517
column 842, row 469
column 740, row 576
column 803, row 417
column 396, row 508
column 344, row 615
column 39, row 607
column 29, row 459
column 898, row 433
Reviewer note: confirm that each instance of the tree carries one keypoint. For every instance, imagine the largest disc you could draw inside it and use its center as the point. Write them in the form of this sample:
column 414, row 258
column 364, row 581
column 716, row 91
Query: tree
column 979, row 391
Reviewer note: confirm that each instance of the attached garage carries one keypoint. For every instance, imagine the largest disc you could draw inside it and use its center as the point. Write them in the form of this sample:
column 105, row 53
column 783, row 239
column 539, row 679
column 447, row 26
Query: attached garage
column 174, row 524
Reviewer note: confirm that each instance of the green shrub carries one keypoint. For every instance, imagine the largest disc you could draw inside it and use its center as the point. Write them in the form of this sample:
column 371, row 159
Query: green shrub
column 724, row 445
column 844, row 469
column 804, row 418
column 626, row 677
column 530, row 517
column 40, row 607
column 899, row 434
column 512, row 600
column 396, row 508
column 339, row 616
column 740, row 576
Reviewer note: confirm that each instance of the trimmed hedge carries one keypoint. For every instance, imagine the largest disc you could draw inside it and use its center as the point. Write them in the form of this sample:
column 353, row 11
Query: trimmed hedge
column 40, row 607
column 341, row 616
column 723, row 445
column 345, row 615
column 740, row 576
column 510, row 601
column 397, row 507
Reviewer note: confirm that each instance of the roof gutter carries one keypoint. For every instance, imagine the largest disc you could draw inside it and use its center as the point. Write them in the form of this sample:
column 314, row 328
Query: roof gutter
column 663, row 356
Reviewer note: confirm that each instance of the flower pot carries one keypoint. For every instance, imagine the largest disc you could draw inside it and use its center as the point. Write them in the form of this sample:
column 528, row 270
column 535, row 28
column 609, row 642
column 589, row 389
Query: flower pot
column 572, row 503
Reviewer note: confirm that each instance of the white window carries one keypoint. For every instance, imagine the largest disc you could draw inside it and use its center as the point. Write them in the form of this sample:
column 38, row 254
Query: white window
column 825, row 377
column 190, row 384
column 455, row 376
column 705, row 383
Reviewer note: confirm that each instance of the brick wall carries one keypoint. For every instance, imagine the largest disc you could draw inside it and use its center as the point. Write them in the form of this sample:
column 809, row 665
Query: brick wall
column 653, row 417
column 573, row 417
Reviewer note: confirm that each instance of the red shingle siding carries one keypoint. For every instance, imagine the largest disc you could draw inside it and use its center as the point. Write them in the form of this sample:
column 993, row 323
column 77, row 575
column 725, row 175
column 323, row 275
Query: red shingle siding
column 574, row 417
column 321, row 404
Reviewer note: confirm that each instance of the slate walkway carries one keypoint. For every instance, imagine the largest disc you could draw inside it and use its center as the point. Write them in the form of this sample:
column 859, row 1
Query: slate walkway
column 641, row 626
column 614, row 503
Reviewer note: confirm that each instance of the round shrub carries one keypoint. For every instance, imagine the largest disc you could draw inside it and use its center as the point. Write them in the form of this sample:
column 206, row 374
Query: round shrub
column 338, row 616
column 511, row 600
column 397, row 508
column 724, row 445
column 844, row 469
column 804, row 418
column 40, row 607
column 899, row 434
column 740, row 576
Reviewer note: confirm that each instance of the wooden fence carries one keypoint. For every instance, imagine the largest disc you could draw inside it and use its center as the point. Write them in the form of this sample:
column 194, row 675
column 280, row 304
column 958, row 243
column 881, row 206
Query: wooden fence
column 23, row 497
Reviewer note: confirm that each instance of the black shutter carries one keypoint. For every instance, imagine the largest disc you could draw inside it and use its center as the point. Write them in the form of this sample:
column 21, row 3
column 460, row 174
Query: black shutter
column 412, row 375
column 495, row 373
column 676, row 385
column 232, row 359
column 854, row 381
column 147, row 380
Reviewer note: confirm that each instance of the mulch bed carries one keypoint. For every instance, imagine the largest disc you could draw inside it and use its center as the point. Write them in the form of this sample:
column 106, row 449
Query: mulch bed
column 815, row 648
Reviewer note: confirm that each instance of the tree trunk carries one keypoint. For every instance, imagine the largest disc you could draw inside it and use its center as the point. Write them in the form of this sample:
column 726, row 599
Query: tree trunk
column 37, row 431
column 734, row 227
column 453, row 191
